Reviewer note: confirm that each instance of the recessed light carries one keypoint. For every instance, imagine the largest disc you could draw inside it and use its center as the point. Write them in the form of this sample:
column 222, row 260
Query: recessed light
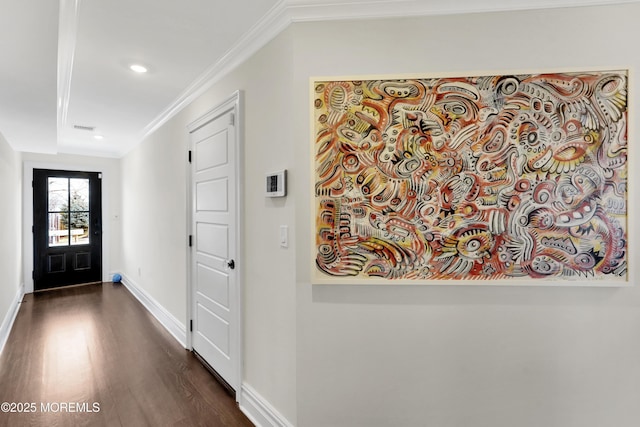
column 138, row 68
column 98, row 137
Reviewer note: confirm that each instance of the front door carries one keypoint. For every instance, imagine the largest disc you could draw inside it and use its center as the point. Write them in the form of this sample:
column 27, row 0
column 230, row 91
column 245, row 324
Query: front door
column 215, row 290
column 67, row 228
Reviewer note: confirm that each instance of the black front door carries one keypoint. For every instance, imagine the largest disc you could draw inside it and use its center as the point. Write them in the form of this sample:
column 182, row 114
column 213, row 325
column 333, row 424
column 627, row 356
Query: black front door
column 67, row 228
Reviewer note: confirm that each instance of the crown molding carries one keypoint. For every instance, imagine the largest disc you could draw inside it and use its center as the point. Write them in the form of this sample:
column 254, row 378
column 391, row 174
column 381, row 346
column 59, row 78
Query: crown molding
column 286, row 12
column 273, row 23
column 321, row 10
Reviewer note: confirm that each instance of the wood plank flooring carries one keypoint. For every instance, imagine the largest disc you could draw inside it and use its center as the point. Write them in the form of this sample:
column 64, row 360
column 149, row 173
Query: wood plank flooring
column 96, row 344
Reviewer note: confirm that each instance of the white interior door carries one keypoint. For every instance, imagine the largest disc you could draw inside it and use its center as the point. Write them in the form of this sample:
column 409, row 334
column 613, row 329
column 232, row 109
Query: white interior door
column 214, row 278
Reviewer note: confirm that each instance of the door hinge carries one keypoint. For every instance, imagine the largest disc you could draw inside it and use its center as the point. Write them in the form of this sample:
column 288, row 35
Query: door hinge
column 232, row 119
column 191, row 325
column 189, row 156
column 33, row 228
column 33, row 274
column 190, row 240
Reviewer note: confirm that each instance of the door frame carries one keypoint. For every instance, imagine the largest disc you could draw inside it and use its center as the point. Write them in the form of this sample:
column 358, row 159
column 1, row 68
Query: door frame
column 70, row 274
column 233, row 103
column 27, row 216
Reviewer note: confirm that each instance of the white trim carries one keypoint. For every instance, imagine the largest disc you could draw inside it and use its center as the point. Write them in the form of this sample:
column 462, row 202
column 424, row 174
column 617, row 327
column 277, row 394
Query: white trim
column 322, row 10
column 10, row 318
column 189, row 208
column 166, row 319
column 239, row 122
column 272, row 24
column 27, row 216
column 231, row 103
column 234, row 103
column 259, row 411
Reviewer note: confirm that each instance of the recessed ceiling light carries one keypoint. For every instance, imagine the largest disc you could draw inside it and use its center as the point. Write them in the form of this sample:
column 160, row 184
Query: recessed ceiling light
column 138, row 68
column 98, row 136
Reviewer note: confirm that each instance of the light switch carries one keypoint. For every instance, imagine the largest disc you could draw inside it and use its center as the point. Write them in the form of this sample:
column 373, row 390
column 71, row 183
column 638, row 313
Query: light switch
column 284, row 236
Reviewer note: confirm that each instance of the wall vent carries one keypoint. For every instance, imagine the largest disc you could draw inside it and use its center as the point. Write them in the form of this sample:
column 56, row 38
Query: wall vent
column 89, row 128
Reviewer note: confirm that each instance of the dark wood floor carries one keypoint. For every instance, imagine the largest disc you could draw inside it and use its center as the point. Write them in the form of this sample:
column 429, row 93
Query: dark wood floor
column 97, row 344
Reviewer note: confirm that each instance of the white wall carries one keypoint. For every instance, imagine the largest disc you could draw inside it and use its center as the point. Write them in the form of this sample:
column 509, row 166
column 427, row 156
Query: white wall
column 394, row 355
column 464, row 355
column 153, row 222
column 10, row 222
column 154, row 187
column 111, row 201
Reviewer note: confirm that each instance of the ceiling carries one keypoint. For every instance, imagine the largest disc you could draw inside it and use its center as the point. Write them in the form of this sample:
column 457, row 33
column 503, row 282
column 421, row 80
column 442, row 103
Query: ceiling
column 65, row 64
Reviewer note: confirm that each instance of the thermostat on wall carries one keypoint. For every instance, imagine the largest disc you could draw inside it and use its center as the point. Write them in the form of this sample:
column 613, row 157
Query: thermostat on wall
column 277, row 184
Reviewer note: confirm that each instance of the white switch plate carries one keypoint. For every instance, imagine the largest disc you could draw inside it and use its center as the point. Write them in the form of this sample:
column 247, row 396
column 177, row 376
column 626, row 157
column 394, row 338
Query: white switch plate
column 284, row 236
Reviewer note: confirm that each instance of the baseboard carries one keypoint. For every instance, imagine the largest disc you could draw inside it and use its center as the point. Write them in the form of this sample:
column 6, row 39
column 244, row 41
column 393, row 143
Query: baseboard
column 166, row 319
column 7, row 323
column 259, row 411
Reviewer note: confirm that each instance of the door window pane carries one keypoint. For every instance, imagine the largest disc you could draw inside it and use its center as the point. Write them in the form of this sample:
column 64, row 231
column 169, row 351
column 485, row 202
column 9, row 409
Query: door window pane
column 58, row 229
column 79, row 228
column 58, row 194
column 79, row 189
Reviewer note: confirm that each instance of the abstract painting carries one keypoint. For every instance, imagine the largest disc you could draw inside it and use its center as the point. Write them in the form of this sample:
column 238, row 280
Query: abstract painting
column 486, row 178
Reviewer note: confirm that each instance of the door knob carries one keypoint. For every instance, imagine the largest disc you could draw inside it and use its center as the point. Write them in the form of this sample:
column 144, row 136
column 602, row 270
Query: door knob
column 231, row 264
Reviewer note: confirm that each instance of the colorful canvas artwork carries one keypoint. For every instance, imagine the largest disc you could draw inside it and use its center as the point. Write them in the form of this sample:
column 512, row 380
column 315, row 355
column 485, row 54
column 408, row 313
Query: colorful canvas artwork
column 484, row 178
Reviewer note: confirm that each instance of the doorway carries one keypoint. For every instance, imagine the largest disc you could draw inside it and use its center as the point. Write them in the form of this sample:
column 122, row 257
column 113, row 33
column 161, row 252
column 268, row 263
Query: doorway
column 215, row 282
column 67, row 228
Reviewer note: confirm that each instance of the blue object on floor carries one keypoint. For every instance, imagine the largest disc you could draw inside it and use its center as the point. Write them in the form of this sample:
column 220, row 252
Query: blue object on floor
column 117, row 278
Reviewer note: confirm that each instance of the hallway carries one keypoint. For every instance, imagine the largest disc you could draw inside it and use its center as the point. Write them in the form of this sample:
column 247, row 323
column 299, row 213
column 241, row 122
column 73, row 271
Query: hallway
column 92, row 355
